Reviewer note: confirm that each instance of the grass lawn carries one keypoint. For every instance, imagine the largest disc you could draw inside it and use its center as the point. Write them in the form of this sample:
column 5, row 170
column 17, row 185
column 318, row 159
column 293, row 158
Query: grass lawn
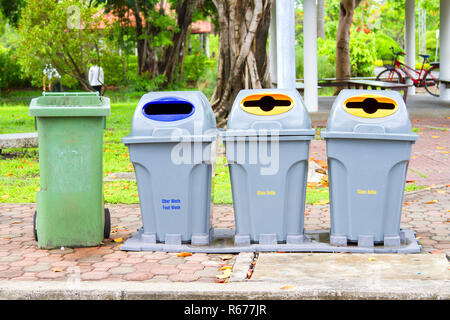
column 19, row 168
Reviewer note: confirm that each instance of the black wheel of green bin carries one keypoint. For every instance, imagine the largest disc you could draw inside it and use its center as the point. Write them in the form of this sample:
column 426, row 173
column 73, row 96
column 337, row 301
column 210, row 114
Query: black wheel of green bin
column 34, row 226
column 107, row 229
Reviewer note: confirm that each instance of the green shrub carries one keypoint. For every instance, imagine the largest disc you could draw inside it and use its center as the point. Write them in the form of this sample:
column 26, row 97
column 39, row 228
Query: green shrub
column 112, row 68
column 431, row 46
column 325, row 59
column 362, row 53
column 327, row 48
column 383, row 44
column 11, row 73
column 195, row 65
column 208, row 80
column 299, row 62
column 144, row 83
column 325, row 68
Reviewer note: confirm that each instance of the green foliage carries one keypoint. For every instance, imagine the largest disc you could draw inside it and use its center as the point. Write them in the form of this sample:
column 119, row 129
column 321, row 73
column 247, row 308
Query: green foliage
column 11, row 9
column 363, row 53
column 331, row 18
column 431, row 46
column 167, row 26
column 144, row 82
column 391, row 19
column 195, row 65
column 61, row 33
column 383, row 44
column 325, row 69
column 11, row 74
column 299, row 62
column 112, row 68
column 325, row 59
column 327, row 48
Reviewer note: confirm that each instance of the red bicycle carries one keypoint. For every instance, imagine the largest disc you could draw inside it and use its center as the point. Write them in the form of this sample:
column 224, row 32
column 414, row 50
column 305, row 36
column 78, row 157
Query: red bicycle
column 398, row 72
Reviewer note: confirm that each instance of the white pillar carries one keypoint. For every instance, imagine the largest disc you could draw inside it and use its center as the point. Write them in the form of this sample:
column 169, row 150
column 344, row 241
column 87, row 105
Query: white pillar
column 444, row 35
column 310, row 55
column 273, row 43
column 207, row 44
column 285, row 25
column 410, row 38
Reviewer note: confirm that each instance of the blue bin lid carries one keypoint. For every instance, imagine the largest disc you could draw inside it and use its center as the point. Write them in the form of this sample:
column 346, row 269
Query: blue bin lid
column 172, row 116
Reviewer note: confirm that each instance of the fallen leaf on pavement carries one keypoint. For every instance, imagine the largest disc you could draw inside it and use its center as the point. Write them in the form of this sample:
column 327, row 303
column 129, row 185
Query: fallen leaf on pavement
column 226, row 268
column 371, row 259
column 321, row 171
column 320, row 202
column 226, row 274
column 287, row 287
column 435, row 137
column 432, row 201
column 57, row 270
column 184, row 254
column 226, row 257
column 221, row 280
column 312, row 184
column 118, row 240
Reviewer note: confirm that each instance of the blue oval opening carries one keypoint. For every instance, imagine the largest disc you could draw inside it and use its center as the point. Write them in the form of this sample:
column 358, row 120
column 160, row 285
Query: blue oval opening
column 168, row 109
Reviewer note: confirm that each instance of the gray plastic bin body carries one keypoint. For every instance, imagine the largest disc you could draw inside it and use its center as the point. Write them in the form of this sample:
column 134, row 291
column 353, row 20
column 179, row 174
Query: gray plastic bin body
column 368, row 139
column 267, row 147
column 172, row 147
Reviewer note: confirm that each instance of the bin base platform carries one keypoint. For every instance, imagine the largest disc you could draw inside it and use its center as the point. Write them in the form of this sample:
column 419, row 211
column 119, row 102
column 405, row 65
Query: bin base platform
column 225, row 241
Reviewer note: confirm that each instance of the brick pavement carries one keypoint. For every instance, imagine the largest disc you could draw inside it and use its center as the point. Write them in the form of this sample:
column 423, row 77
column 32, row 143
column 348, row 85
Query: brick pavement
column 425, row 211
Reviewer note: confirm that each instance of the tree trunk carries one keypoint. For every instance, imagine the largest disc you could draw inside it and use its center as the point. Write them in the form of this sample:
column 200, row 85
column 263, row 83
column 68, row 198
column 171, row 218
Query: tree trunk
column 142, row 46
column 173, row 54
column 346, row 11
column 243, row 60
column 321, row 19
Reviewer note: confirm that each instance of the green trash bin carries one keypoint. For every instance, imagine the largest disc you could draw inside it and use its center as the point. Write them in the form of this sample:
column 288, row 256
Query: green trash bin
column 69, row 207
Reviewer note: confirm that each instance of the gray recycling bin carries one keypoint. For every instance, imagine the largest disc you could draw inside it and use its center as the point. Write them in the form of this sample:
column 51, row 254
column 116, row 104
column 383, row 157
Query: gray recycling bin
column 368, row 139
column 172, row 147
column 267, row 147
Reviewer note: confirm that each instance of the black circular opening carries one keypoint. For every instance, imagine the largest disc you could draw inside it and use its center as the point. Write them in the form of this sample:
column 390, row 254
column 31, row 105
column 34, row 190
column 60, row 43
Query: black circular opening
column 370, row 105
column 267, row 103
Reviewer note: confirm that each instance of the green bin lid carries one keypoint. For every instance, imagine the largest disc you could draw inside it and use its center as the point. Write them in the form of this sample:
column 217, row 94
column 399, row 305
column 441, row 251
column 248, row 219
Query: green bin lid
column 70, row 104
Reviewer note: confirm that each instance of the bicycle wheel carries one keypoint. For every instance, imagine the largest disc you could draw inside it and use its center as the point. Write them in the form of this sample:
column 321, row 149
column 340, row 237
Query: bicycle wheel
column 431, row 84
column 390, row 75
